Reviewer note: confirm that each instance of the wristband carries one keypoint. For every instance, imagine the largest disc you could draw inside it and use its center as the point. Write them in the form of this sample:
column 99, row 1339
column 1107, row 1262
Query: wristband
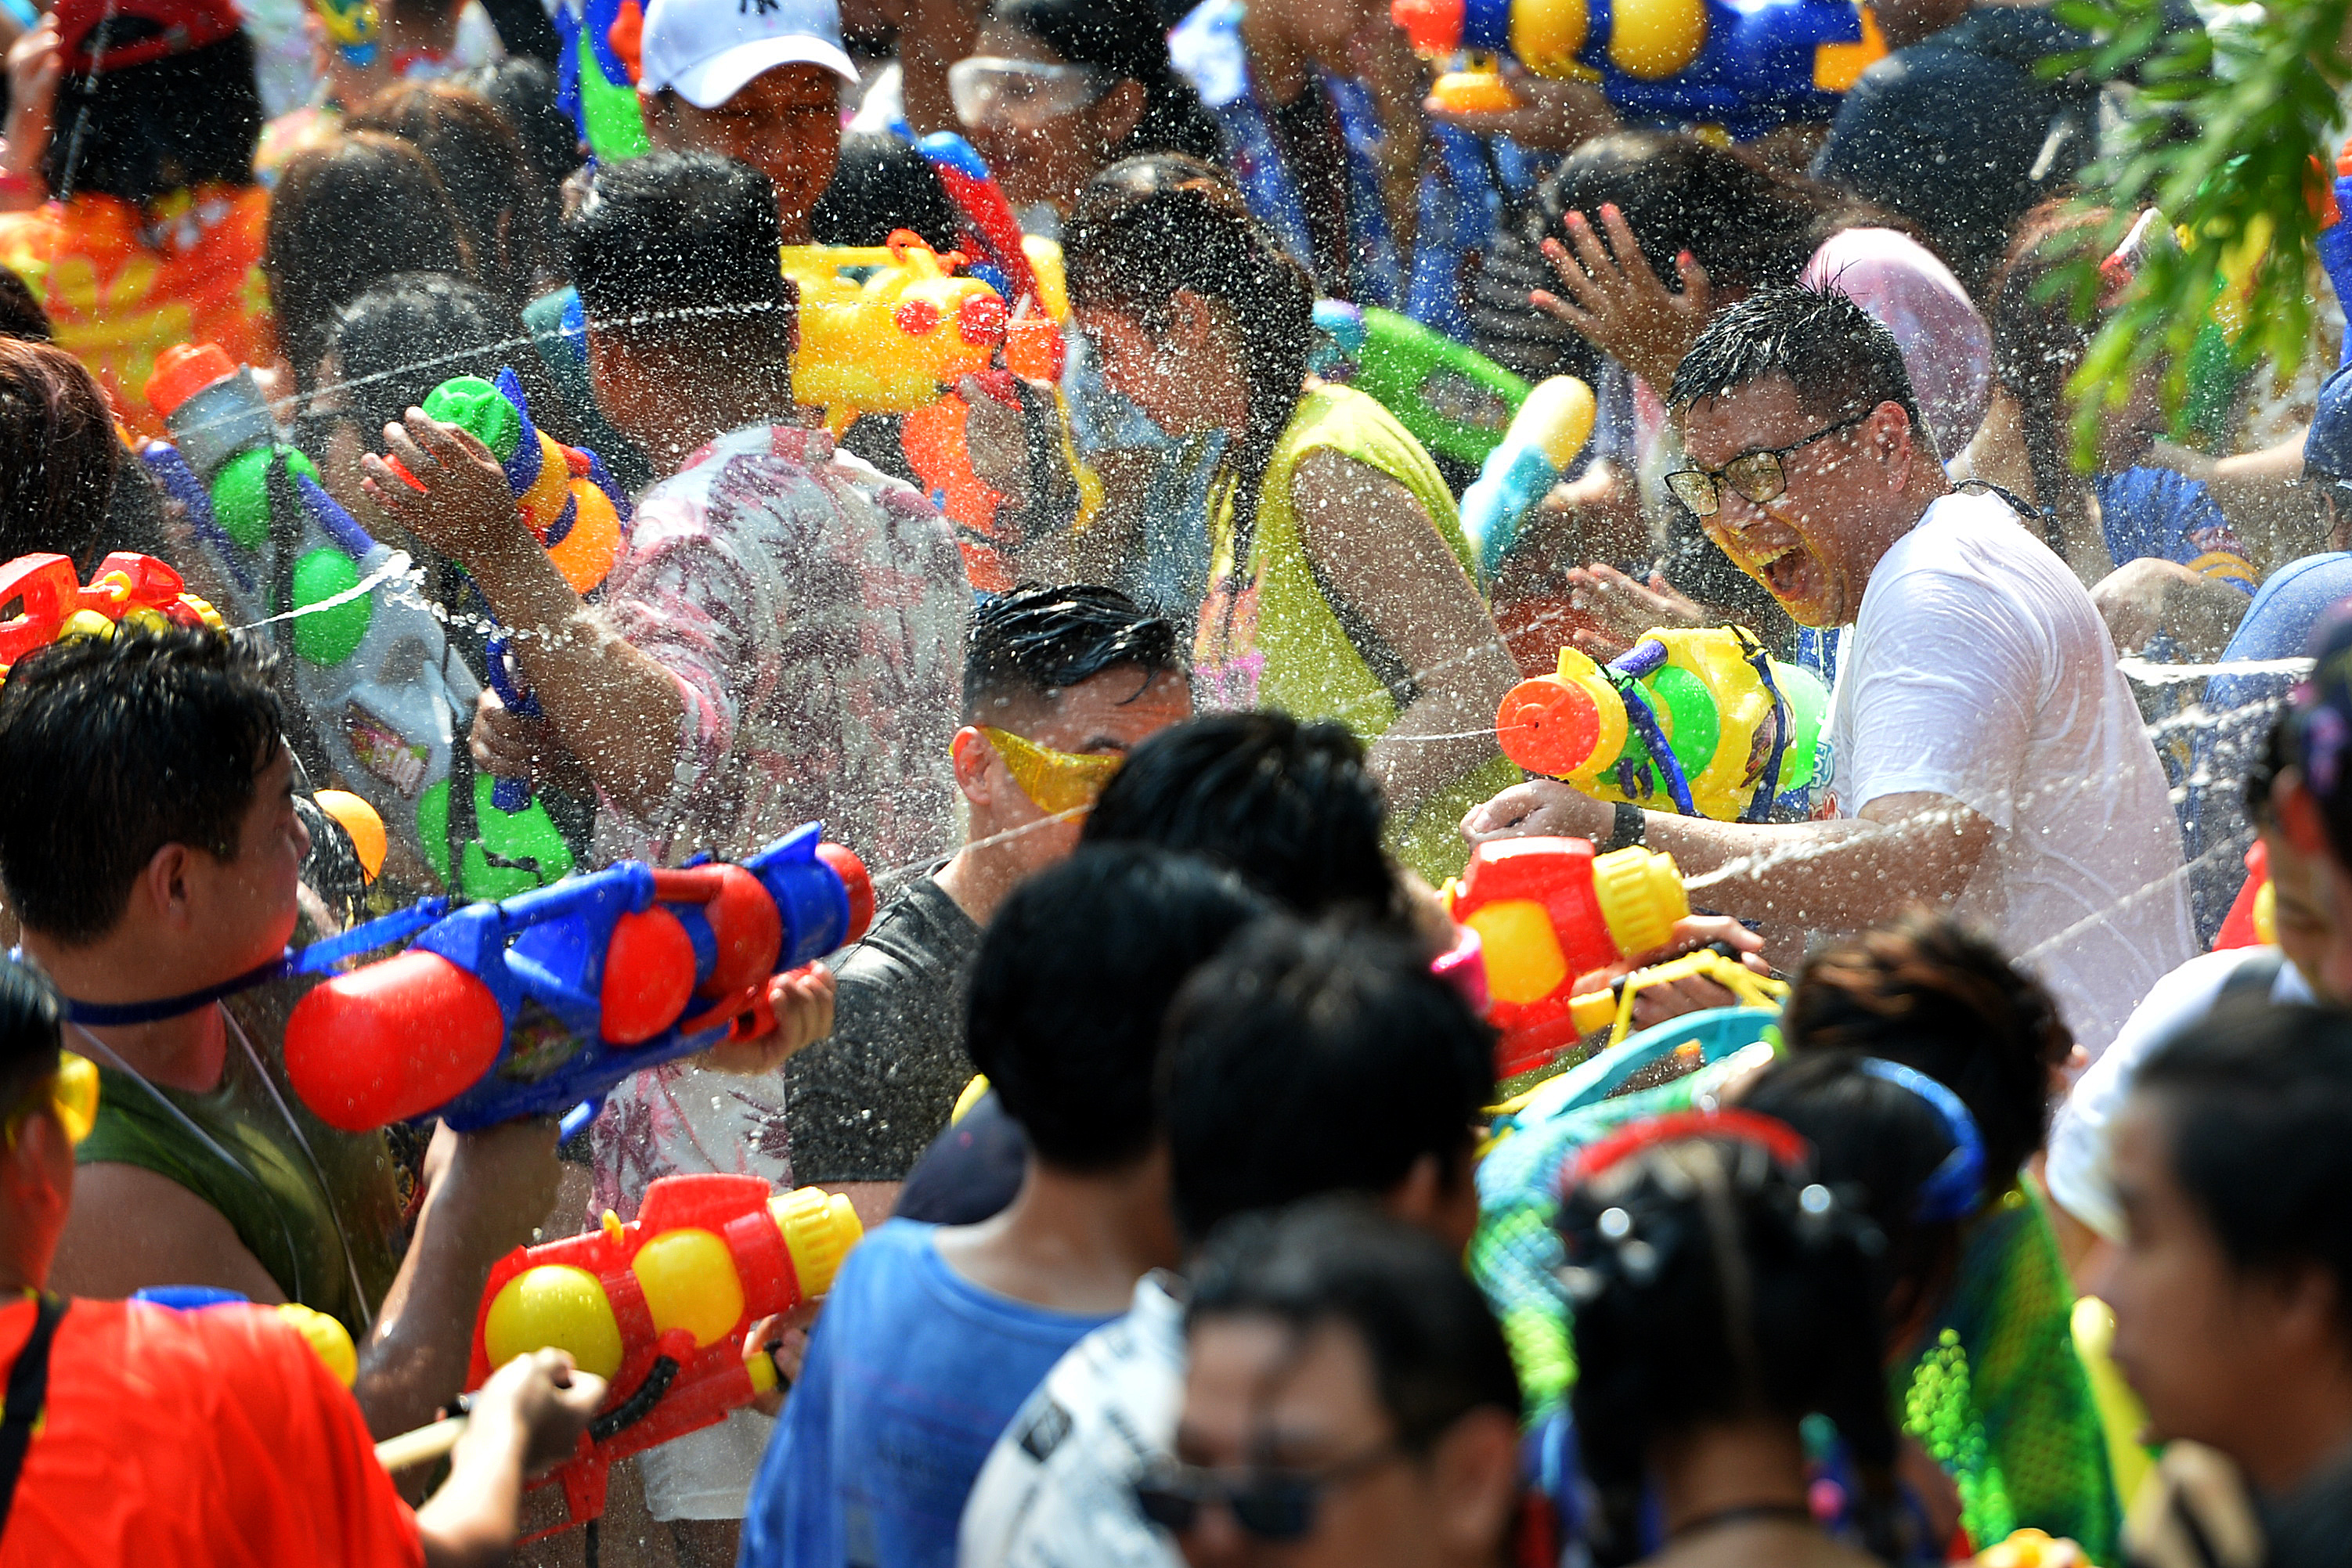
column 1629, row 826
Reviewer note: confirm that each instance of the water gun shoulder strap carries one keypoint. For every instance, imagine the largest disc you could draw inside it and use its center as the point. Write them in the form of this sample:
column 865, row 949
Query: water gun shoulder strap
column 27, row 1395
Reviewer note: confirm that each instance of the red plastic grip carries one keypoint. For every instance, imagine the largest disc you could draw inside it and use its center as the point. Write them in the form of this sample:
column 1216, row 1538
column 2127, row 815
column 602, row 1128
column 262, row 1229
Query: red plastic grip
column 853, row 881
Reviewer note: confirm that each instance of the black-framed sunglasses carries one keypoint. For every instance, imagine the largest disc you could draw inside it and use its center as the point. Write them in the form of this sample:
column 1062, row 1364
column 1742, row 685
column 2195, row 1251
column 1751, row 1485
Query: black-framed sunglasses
column 1270, row 1504
column 1760, row 476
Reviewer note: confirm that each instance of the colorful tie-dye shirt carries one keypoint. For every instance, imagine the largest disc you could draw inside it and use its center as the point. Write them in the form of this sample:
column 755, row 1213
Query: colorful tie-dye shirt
column 812, row 614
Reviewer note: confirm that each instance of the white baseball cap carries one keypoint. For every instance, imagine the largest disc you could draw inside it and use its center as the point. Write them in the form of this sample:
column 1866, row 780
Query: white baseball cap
column 708, row 49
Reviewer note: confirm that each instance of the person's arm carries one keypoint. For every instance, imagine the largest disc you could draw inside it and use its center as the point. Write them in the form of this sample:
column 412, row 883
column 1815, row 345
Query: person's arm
column 497, row 1185
column 613, row 706
column 2144, row 597
column 1375, row 547
column 130, row 1228
column 528, row 1416
column 35, row 65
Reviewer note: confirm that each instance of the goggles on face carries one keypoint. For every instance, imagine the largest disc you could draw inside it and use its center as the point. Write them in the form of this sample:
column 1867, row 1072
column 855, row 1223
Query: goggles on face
column 1271, row 1505
column 1057, row 781
column 71, row 1091
column 1023, row 94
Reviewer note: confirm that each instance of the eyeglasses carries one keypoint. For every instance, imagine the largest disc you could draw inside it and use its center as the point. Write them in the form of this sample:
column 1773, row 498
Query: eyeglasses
column 71, row 1091
column 1272, row 1505
column 1057, row 781
column 1760, row 476
column 1023, row 94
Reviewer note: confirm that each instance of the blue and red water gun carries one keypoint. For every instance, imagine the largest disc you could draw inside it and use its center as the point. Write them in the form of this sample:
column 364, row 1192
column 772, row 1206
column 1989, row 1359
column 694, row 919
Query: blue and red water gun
column 539, row 1004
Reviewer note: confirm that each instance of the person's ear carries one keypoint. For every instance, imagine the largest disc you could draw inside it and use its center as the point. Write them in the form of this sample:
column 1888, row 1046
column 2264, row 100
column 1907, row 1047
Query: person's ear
column 2309, row 1309
column 36, row 1171
column 2298, row 813
column 1890, row 433
column 162, row 884
column 1118, row 111
column 971, row 754
column 1475, row 1473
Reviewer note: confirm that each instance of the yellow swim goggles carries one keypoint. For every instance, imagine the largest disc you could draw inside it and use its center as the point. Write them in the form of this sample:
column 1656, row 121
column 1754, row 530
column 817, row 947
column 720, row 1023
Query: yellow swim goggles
column 1057, row 781
column 72, row 1090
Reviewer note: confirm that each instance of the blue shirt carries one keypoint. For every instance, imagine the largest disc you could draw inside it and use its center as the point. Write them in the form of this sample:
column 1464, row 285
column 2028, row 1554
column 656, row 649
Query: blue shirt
column 912, row 1374
column 2161, row 513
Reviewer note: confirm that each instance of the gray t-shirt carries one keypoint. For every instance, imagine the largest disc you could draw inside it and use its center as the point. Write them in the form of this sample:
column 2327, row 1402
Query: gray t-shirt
column 862, row 1106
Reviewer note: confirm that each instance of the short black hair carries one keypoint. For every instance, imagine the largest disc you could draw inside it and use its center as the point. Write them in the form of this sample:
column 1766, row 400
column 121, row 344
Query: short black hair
column 1437, row 1353
column 1288, row 805
column 1712, row 1284
column 1071, row 985
column 1036, row 641
column 2266, row 765
column 1840, row 359
column 406, row 335
column 188, row 118
column 32, row 1030
column 110, row 750
column 1927, row 992
column 1304, row 1060
column 686, row 239
column 2256, row 1100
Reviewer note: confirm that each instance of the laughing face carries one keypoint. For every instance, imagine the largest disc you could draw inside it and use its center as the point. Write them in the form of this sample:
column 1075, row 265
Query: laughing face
column 1813, row 544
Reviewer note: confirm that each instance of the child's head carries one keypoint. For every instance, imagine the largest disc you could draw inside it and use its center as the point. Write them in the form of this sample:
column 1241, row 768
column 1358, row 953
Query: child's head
column 59, row 454
column 1717, row 1284
column 503, row 210
column 144, row 789
column 157, row 96
column 44, row 1106
column 1071, row 987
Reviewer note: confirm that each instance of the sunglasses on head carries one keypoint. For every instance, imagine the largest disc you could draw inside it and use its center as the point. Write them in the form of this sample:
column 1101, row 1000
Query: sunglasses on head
column 1269, row 1504
column 1760, row 476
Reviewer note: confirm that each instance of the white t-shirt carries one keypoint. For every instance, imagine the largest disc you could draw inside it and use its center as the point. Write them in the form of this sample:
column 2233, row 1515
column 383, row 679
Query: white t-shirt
column 1056, row 1492
column 1978, row 669
column 2079, row 1173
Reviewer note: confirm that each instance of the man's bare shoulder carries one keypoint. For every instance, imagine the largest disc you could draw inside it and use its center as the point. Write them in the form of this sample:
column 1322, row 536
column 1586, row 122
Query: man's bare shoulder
column 130, row 1228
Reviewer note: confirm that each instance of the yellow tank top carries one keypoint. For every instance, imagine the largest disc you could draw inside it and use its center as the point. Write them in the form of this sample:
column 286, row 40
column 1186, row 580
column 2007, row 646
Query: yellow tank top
column 1274, row 640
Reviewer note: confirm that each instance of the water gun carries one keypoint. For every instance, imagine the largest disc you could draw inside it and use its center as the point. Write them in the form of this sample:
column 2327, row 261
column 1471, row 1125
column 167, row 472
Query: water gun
column 660, row 1308
column 329, row 1340
column 1747, row 65
column 540, row 1003
column 1700, row 717
column 578, row 515
column 992, row 235
column 884, row 327
column 354, row 27
column 1551, row 429
column 1550, row 912
column 596, row 79
column 1456, row 401
column 389, row 698
column 52, row 604
column 2334, row 190
column 2253, row 920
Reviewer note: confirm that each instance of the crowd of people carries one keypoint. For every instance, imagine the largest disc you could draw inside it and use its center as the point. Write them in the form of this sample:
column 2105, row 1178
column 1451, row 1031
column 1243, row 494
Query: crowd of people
column 445, row 363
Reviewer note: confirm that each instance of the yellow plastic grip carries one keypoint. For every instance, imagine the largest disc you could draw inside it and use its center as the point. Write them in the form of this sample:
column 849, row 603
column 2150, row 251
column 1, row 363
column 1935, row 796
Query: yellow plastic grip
column 1640, row 896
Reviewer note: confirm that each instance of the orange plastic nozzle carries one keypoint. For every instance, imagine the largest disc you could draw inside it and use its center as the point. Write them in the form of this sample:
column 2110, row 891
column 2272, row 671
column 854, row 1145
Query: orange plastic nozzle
column 184, row 369
column 1548, row 725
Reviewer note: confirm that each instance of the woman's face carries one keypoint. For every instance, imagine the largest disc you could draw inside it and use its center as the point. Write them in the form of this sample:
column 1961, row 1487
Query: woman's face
column 1041, row 146
column 1177, row 378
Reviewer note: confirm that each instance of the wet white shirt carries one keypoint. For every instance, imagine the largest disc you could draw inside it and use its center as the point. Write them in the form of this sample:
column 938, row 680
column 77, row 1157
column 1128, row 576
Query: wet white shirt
column 1978, row 669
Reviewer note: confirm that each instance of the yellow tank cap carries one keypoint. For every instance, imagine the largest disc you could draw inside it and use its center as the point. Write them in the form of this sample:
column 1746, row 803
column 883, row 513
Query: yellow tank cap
column 1641, row 897
column 555, row 1304
column 820, row 1228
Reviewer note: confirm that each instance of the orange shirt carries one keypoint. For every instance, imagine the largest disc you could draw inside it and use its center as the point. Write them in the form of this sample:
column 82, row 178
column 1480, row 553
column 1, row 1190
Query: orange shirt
column 122, row 284
column 213, row 1438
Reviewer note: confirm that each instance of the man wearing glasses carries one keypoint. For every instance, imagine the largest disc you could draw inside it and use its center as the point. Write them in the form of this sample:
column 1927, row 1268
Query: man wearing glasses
column 1984, row 755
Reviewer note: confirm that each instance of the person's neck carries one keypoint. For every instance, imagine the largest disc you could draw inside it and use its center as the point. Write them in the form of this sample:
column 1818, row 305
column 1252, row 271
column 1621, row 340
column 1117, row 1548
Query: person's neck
column 1928, row 486
column 2304, row 1426
column 1729, row 1465
column 704, row 408
column 983, row 874
column 1071, row 1243
column 186, row 1052
column 1280, row 66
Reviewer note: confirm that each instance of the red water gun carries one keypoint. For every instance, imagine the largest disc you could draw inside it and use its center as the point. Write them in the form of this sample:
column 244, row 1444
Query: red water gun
column 659, row 1308
column 52, row 603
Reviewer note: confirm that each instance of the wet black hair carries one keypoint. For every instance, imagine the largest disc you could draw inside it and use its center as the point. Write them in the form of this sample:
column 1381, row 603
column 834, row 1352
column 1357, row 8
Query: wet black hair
column 1712, row 1283
column 1124, row 40
column 1930, row 994
column 1308, row 1059
column 506, row 215
column 1437, row 1352
column 1288, row 805
column 189, row 119
column 1841, row 362
column 1036, row 640
column 59, row 455
column 110, row 750
column 396, row 343
column 2263, row 768
column 880, row 185
column 21, row 313
column 2255, row 1100
column 1071, row 987
column 523, row 90
column 1147, row 227
column 32, row 1031
column 345, row 217
column 687, row 238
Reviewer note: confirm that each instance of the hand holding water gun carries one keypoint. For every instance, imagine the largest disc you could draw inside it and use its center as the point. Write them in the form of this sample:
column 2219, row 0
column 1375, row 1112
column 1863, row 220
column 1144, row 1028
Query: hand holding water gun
column 52, row 604
column 1698, row 717
column 1747, row 67
column 662, row 1308
column 543, row 1002
column 888, row 340
column 1551, row 428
